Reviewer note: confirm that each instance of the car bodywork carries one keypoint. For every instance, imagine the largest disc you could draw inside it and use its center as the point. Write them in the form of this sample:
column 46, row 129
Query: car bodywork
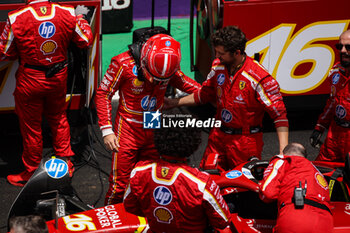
column 50, row 194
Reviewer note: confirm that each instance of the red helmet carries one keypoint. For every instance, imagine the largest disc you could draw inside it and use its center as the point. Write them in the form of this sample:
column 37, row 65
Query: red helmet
column 160, row 57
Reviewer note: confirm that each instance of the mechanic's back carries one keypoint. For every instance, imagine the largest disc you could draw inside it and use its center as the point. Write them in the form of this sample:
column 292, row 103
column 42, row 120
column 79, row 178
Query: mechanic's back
column 39, row 33
column 173, row 196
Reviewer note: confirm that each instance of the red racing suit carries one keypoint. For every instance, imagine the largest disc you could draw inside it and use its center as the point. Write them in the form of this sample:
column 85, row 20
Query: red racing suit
column 335, row 118
column 39, row 35
column 241, row 102
column 175, row 197
column 135, row 97
column 280, row 179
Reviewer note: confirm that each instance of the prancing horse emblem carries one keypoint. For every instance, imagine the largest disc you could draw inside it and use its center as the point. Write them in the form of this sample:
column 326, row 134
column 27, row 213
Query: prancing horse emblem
column 241, row 85
column 43, row 10
column 165, row 171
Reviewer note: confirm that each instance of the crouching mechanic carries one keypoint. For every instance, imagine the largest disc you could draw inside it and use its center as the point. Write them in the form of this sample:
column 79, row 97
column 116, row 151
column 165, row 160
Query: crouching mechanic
column 38, row 36
column 301, row 192
column 173, row 196
column 140, row 90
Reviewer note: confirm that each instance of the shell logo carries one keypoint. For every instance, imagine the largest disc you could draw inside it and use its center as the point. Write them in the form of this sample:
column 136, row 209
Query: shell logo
column 321, row 181
column 163, row 215
column 219, row 91
column 137, row 82
column 48, row 47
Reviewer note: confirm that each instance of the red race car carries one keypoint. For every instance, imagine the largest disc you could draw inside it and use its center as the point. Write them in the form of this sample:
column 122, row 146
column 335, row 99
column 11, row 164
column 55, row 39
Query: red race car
column 240, row 190
column 50, row 194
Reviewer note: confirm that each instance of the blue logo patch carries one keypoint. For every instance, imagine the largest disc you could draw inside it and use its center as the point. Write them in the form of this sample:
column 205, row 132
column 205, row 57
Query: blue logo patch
column 56, row 168
column 147, row 104
column 151, row 120
column 162, row 195
column 221, row 79
column 167, row 43
column 226, row 115
column 47, row 30
column 340, row 111
column 233, row 174
column 335, row 78
column 134, row 70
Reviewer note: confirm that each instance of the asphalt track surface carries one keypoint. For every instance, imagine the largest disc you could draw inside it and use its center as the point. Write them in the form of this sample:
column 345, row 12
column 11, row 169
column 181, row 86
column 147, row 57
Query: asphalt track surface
column 90, row 180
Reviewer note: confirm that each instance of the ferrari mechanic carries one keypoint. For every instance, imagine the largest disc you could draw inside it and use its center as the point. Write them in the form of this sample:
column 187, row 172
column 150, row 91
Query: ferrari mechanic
column 38, row 34
column 243, row 90
column 301, row 192
column 140, row 89
column 335, row 117
column 173, row 196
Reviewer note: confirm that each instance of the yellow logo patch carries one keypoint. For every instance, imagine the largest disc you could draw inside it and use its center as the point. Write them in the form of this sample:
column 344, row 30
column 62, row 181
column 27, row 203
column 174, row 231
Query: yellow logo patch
column 137, row 82
column 165, row 171
column 163, row 215
column 321, row 180
column 43, row 10
column 219, row 92
column 241, row 85
column 48, row 47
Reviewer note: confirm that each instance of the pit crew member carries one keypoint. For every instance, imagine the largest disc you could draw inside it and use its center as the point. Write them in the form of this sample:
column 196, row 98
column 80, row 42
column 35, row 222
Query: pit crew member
column 173, row 196
column 38, row 34
column 335, row 116
column 243, row 91
column 140, row 90
column 301, row 192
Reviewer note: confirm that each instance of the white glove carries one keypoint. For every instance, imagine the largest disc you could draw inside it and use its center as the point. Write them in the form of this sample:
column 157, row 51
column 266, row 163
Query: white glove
column 81, row 10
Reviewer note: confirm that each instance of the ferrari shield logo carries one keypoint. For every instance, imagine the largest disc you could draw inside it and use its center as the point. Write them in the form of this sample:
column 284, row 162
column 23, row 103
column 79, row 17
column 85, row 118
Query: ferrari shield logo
column 165, row 171
column 43, row 10
column 241, row 85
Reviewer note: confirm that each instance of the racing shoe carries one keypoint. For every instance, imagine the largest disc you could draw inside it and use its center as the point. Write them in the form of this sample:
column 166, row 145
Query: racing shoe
column 19, row 179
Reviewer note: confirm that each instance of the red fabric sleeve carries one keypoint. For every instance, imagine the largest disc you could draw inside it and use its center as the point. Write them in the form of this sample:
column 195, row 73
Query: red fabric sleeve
column 8, row 48
column 131, row 203
column 83, row 35
column 273, row 174
column 109, row 85
column 215, row 206
column 184, row 83
column 268, row 94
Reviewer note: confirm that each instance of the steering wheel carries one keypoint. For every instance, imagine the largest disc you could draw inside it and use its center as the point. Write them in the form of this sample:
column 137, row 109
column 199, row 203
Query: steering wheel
column 257, row 168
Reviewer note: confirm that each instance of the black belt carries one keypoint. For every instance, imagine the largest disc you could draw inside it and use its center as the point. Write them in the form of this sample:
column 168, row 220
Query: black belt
column 35, row 67
column 342, row 123
column 311, row 203
column 228, row 130
column 50, row 71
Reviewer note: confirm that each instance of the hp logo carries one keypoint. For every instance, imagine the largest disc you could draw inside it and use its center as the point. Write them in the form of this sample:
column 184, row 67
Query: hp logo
column 221, row 79
column 47, row 30
column 147, row 103
column 226, row 115
column 162, row 195
column 340, row 111
column 56, row 168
